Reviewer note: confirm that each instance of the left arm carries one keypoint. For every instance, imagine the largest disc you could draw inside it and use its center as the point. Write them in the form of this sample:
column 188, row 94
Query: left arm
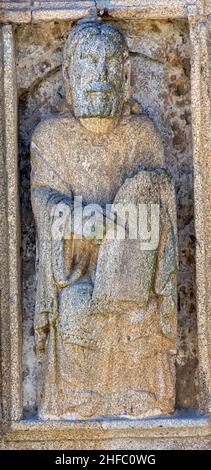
column 167, row 263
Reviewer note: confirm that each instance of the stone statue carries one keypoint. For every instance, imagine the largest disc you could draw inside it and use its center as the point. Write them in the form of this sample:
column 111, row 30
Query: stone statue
column 105, row 319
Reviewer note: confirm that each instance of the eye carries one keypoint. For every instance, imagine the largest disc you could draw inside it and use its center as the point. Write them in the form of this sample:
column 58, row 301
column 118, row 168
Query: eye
column 83, row 56
column 89, row 58
column 111, row 60
column 94, row 60
column 114, row 65
column 114, row 59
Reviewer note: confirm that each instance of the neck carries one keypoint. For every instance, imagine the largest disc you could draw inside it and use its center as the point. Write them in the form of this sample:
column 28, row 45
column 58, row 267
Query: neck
column 99, row 125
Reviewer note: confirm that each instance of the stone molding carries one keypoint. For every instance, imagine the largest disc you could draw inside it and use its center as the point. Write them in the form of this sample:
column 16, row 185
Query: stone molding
column 178, row 431
column 28, row 11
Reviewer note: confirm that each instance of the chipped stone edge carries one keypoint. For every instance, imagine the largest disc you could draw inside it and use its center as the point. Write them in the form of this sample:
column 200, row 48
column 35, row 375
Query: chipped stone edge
column 152, row 9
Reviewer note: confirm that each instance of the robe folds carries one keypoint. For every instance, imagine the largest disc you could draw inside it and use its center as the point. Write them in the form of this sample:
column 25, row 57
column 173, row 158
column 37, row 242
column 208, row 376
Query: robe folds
column 106, row 343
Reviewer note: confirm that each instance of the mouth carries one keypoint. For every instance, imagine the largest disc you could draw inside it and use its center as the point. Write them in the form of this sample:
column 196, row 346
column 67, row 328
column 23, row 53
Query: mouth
column 99, row 87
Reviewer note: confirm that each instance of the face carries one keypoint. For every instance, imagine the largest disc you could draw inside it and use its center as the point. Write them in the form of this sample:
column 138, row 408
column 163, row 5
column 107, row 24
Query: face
column 98, row 77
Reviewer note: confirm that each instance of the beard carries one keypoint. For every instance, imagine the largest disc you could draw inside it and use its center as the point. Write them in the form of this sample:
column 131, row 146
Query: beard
column 101, row 104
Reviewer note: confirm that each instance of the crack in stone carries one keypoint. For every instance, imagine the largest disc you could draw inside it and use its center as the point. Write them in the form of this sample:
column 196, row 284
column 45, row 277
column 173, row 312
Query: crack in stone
column 100, row 11
column 35, row 85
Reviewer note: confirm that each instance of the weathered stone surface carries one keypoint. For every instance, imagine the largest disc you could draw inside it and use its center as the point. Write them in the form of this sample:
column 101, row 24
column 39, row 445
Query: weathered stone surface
column 25, row 11
column 161, row 83
column 105, row 319
column 63, row 9
column 179, row 432
column 16, row 11
column 209, row 186
column 10, row 232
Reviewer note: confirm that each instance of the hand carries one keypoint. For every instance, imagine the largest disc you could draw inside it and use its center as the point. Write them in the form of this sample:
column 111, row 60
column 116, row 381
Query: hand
column 168, row 317
column 42, row 328
column 40, row 340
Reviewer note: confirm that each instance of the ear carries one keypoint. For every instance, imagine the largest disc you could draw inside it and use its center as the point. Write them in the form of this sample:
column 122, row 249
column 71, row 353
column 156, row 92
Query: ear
column 127, row 79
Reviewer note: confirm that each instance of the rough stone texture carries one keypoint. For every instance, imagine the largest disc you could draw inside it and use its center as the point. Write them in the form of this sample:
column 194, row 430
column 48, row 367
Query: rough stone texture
column 26, row 11
column 64, row 9
column 181, row 432
column 10, row 255
column 15, row 11
column 161, row 83
column 201, row 153
column 111, row 316
column 40, row 94
column 112, row 443
column 209, row 187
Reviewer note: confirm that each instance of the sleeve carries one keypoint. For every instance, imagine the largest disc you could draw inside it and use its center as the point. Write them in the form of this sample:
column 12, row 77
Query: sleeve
column 44, row 197
column 167, row 261
column 46, row 292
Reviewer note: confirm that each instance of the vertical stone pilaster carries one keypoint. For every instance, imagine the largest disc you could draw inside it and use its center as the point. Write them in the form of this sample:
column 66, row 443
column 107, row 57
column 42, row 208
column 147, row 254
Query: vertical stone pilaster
column 201, row 155
column 209, row 177
column 10, row 239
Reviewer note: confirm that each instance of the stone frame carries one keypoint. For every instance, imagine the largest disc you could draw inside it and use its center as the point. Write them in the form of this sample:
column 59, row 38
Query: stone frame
column 181, row 427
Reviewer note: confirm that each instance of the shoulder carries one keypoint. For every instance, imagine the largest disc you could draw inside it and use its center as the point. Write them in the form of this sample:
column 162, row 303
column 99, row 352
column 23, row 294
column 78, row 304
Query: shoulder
column 141, row 124
column 157, row 177
column 147, row 140
column 52, row 128
column 147, row 186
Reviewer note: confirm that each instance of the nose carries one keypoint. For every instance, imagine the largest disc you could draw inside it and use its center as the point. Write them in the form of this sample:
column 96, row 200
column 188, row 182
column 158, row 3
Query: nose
column 101, row 69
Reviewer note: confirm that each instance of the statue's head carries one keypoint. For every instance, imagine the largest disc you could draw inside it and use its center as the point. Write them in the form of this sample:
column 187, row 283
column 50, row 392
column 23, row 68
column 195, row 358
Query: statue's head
column 96, row 70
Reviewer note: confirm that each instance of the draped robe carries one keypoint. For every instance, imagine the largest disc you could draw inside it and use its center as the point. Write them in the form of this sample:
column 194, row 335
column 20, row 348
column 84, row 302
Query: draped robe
column 106, row 343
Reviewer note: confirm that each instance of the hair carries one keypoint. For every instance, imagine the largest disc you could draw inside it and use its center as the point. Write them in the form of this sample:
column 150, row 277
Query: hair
column 86, row 30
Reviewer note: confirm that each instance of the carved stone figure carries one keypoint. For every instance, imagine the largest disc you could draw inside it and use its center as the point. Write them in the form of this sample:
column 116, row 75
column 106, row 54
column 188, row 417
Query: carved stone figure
column 105, row 317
